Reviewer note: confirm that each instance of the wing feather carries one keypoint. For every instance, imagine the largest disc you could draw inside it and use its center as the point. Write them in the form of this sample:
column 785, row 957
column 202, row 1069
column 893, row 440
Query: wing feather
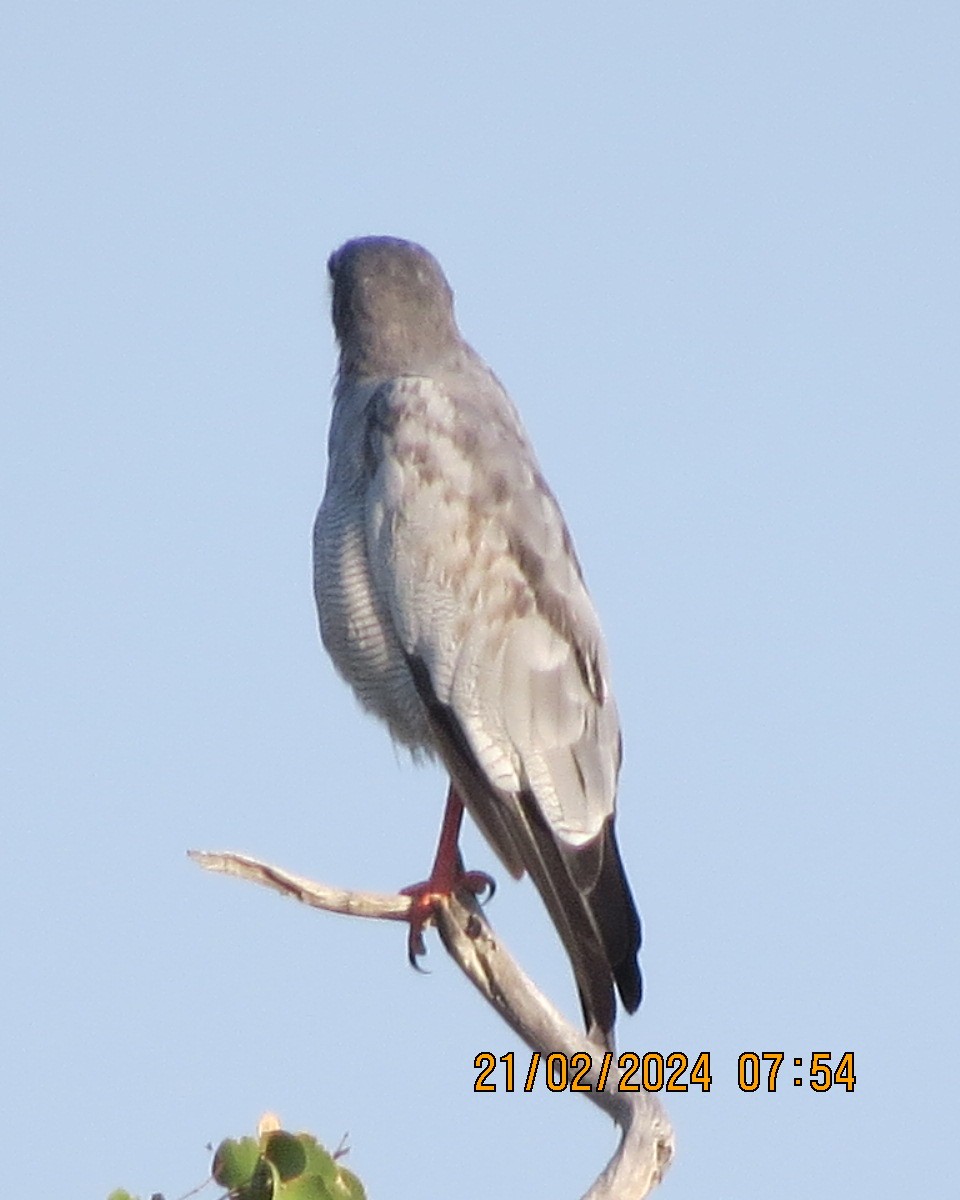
column 471, row 558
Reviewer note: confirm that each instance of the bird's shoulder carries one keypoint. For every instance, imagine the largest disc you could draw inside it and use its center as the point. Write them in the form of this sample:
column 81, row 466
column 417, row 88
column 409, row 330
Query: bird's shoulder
column 450, row 463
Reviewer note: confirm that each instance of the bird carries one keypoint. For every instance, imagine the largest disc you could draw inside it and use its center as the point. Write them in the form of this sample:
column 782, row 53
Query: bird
column 451, row 599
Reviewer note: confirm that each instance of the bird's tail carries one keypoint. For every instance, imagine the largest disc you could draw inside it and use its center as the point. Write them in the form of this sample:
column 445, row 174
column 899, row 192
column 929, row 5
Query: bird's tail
column 587, row 895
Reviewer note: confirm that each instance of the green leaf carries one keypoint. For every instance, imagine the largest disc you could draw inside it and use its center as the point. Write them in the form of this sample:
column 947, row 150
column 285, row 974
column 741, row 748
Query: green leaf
column 286, row 1152
column 348, row 1186
column 265, row 1183
column 120, row 1194
column 341, row 1183
column 235, row 1162
column 319, row 1161
column 307, row 1187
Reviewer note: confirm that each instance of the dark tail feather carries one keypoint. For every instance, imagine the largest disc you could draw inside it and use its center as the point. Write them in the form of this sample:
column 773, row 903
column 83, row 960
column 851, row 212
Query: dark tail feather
column 613, row 909
column 588, row 898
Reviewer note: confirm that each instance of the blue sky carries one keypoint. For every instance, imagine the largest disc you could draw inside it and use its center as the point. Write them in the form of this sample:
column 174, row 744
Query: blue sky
column 712, row 250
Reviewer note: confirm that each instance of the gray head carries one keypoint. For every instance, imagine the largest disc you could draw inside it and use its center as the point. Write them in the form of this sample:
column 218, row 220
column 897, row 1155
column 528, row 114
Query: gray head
column 392, row 308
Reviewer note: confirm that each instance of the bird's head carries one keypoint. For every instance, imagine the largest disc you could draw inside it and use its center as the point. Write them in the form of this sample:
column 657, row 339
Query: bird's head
column 392, row 308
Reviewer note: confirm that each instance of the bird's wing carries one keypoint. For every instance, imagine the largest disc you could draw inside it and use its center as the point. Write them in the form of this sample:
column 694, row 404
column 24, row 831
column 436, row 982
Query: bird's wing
column 469, row 552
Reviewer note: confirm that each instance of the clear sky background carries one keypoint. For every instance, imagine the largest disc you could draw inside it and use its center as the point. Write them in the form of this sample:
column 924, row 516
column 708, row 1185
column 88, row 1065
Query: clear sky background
column 712, row 251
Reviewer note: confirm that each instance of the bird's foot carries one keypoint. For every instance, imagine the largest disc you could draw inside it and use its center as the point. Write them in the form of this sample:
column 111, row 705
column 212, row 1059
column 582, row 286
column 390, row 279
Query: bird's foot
column 426, row 896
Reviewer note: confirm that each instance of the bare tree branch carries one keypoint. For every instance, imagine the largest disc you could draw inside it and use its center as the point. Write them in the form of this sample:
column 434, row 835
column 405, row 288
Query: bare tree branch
column 375, row 905
column 646, row 1142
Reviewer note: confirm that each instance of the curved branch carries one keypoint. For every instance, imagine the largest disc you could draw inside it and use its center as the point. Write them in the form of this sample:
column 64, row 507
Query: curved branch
column 375, row 905
column 646, row 1142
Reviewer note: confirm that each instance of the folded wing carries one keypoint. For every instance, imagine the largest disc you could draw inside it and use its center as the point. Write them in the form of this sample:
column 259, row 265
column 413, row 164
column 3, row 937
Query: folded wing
column 470, row 556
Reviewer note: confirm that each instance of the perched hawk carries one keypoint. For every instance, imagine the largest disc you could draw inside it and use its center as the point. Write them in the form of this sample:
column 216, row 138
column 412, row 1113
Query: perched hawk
column 451, row 600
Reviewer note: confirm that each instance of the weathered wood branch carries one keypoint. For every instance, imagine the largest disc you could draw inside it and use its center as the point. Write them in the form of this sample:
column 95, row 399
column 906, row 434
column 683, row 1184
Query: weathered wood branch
column 646, row 1141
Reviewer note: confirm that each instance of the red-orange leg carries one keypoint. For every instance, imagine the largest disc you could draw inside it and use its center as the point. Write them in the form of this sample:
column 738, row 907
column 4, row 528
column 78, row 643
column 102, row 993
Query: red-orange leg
column 447, row 876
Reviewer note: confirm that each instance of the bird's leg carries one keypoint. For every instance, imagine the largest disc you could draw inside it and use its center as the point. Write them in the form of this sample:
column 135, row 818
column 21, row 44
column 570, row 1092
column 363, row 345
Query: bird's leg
column 447, row 876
